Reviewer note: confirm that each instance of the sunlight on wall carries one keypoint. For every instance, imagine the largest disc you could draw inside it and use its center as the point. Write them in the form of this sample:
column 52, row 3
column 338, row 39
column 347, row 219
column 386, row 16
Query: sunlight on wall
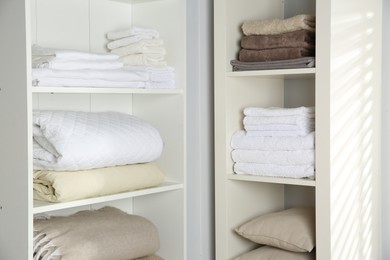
column 353, row 130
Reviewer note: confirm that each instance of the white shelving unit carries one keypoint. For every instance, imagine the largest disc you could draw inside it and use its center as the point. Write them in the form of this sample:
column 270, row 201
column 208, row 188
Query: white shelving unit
column 344, row 88
column 82, row 25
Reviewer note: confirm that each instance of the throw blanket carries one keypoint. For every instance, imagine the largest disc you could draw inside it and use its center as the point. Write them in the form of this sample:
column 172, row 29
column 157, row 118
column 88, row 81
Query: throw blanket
column 300, row 38
column 305, row 62
column 60, row 186
column 272, row 170
column 71, row 140
column 107, row 233
column 274, row 54
column 277, row 26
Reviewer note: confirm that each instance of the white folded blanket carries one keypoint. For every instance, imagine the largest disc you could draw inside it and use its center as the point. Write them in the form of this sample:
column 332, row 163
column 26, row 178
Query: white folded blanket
column 64, row 64
column 273, row 170
column 131, row 32
column 164, row 73
column 92, row 83
column 128, row 40
column 144, row 59
column 143, row 46
column 111, row 75
column 279, row 127
column 86, row 140
column 241, row 140
column 160, row 84
column 277, row 111
column 273, row 120
column 273, row 133
column 300, row 157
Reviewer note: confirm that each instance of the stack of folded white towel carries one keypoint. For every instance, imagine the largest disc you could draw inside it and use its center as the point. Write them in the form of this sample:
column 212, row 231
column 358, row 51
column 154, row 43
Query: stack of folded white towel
column 278, row 142
column 141, row 49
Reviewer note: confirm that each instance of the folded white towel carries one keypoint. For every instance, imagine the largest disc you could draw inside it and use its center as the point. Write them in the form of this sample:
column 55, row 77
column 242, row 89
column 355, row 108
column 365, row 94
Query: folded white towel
column 111, row 75
column 143, row 46
column 279, row 127
column 272, row 120
column 64, row 64
column 126, row 41
column 71, row 54
column 299, row 157
column 92, row 83
column 149, row 59
column 164, row 73
column 273, row 133
column 272, row 170
column 160, row 84
column 277, row 111
column 240, row 140
column 132, row 31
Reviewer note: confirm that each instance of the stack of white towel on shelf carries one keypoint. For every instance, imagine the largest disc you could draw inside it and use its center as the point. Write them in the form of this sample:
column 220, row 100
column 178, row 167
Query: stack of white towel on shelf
column 277, row 142
column 141, row 49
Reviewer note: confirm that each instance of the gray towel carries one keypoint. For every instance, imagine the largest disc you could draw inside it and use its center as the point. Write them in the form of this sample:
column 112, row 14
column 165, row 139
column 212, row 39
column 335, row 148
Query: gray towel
column 305, row 62
column 274, row 54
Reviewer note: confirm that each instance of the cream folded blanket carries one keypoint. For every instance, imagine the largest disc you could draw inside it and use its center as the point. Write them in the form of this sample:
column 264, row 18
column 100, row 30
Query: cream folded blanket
column 60, row 186
column 107, row 233
column 277, row 26
column 299, row 157
column 240, row 140
column 143, row 46
column 273, row 170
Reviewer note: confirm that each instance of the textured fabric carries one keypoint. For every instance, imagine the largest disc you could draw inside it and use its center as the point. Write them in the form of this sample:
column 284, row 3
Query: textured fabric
column 144, row 59
column 305, row 62
column 133, row 31
column 274, row 170
column 300, row 38
column 277, row 26
column 86, row 140
column 143, row 46
column 299, row 120
column 292, row 229
column 279, row 111
column 126, row 41
column 272, row 253
column 107, row 233
column 274, row 54
column 298, row 157
column 60, row 186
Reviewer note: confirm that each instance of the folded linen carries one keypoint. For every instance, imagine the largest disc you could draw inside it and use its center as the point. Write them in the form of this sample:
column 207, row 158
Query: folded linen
column 92, row 83
column 115, row 35
column 304, row 62
column 64, row 54
column 111, row 75
column 144, row 59
column 280, row 127
column 273, row 133
column 279, row 111
column 160, row 84
column 163, row 73
column 87, row 140
column 273, row 170
column 274, row 54
column 298, row 157
column 300, row 38
column 241, row 140
column 299, row 120
column 143, row 46
column 110, row 232
column 64, row 64
column 61, row 186
column 277, row 26
column 127, row 40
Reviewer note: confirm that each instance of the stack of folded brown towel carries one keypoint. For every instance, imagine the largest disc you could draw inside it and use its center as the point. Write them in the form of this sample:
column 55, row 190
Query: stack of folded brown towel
column 277, row 44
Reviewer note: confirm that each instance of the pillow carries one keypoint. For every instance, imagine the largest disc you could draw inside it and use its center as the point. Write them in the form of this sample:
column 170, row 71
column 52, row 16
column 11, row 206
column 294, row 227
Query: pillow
column 272, row 253
column 292, row 229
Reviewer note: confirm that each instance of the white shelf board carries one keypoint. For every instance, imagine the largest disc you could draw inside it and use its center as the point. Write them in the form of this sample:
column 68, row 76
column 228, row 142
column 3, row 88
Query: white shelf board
column 276, row 180
column 42, row 206
column 82, row 90
column 279, row 73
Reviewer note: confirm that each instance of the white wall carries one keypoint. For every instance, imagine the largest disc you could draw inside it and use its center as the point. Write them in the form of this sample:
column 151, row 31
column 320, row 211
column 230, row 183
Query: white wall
column 385, row 131
column 200, row 179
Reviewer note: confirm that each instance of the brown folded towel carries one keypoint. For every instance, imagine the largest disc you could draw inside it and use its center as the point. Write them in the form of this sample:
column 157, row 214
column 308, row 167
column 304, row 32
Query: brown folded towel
column 305, row 62
column 300, row 38
column 274, row 54
column 277, row 26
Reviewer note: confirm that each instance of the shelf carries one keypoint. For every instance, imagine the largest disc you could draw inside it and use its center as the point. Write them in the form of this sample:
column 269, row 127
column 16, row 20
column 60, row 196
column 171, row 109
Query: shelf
column 81, row 90
column 288, row 181
column 279, row 74
column 42, row 206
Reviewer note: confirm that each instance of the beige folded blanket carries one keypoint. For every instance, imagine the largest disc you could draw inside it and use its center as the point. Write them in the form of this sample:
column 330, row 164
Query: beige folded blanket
column 277, row 26
column 300, row 38
column 107, row 233
column 60, row 186
column 274, row 54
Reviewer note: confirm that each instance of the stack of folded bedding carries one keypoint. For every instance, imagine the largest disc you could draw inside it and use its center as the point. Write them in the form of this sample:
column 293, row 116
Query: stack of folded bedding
column 276, row 142
column 277, row 44
column 141, row 49
column 106, row 233
column 72, row 68
column 78, row 155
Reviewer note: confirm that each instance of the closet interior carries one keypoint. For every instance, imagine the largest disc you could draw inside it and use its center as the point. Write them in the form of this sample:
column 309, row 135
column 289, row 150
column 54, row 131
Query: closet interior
column 83, row 26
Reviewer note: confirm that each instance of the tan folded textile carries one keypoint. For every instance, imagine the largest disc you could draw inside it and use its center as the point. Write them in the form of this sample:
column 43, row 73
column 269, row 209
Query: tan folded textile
column 60, row 186
column 107, row 233
column 274, row 54
column 277, row 26
column 300, row 38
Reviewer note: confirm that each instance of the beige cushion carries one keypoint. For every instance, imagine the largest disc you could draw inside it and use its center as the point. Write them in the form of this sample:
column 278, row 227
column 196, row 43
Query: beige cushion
column 292, row 229
column 272, row 253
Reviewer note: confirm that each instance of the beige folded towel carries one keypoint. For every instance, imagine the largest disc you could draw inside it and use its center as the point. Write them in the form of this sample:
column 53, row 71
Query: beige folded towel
column 277, row 26
column 143, row 46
